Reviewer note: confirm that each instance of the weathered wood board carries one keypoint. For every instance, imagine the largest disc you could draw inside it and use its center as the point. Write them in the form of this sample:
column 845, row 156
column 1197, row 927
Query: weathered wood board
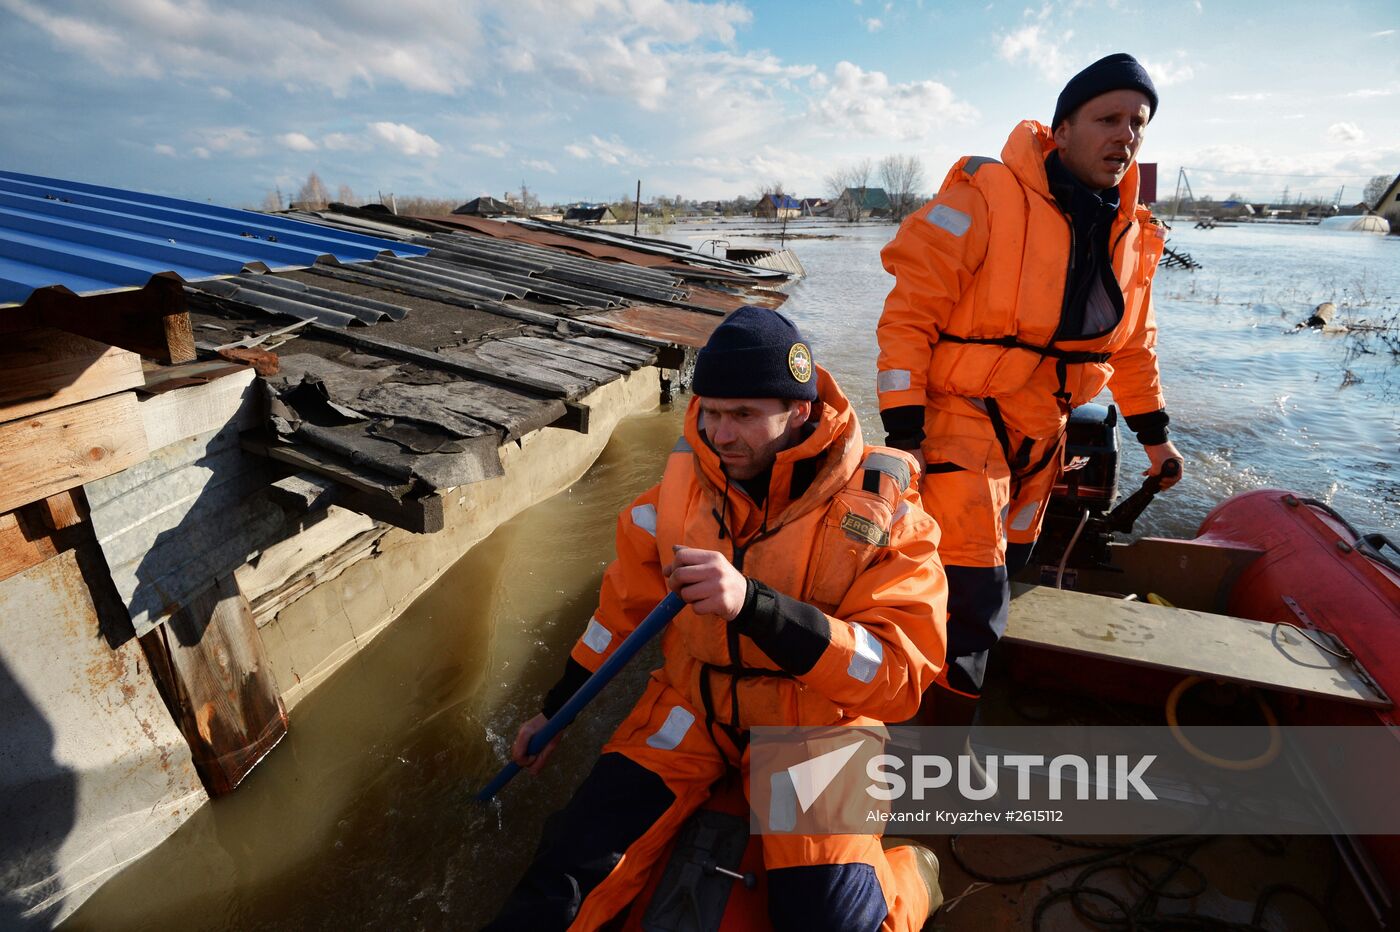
column 46, row 369
column 48, row 453
column 1215, row 646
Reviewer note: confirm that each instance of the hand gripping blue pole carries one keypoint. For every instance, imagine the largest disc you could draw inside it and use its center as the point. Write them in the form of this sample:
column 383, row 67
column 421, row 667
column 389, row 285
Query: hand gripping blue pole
column 659, row 618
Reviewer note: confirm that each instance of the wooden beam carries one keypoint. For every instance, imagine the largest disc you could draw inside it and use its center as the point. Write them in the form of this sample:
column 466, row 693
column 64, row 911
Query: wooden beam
column 65, row 509
column 46, row 368
column 363, row 490
column 212, row 670
column 152, row 321
column 58, row 450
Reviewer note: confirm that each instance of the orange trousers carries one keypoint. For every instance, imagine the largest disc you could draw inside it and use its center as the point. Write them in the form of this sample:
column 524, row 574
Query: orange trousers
column 664, row 735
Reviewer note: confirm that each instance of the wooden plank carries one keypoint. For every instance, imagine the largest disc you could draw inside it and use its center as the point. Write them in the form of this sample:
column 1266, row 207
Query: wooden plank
column 210, row 665
column 508, row 411
column 465, row 363
column 576, row 349
column 51, row 452
column 513, row 364
column 64, row 510
column 47, row 368
column 1215, row 646
column 583, row 374
column 364, row 493
column 179, row 414
column 303, row 492
column 21, row 544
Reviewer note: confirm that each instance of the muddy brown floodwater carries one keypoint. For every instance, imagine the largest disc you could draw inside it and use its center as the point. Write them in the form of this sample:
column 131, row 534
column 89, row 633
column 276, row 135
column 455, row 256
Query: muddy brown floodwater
column 363, row 818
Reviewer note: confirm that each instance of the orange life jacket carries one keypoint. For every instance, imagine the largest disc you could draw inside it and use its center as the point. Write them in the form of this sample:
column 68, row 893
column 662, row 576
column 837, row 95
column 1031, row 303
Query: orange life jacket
column 980, row 275
column 854, row 542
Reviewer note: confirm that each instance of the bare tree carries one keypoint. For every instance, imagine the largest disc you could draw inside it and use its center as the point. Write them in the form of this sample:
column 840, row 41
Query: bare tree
column 1375, row 190
column 848, row 186
column 529, row 203
column 345, row 195
column 273, row 200
column 313, row 194
column 903, row 176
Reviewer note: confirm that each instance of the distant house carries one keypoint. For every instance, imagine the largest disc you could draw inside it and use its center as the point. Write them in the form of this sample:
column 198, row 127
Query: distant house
column 777, row 207
column 485, row 207
column 586, row 214
column 1389, row 205
column 870, row 202
column 811, row 205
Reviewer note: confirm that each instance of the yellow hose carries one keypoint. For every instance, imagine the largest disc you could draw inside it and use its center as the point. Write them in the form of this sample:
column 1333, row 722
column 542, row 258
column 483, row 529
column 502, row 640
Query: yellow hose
column 1252, row 763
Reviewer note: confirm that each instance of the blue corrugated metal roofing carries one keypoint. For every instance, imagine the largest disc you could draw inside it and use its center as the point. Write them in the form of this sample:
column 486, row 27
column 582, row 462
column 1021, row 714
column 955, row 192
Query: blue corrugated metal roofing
column 92, row 239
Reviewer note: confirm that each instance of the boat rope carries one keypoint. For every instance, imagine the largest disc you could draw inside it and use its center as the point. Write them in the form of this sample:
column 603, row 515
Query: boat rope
column 1344, row 653
column 1368, row 545
column 1269, row 754
column 1153, row 887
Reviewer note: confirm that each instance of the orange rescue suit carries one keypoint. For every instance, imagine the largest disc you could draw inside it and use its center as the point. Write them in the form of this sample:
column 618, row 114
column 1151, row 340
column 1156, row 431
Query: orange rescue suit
column 979, row 285
column 854, row 543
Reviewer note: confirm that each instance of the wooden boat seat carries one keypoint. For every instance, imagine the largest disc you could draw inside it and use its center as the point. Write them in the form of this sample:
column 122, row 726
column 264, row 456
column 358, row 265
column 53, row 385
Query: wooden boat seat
column 1220, row 647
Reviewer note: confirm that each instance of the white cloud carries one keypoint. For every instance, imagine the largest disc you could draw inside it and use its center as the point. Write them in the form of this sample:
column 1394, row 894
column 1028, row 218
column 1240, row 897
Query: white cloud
column 422, row 45
column 406, row 139
column 1383, row 33
column 222, row 93
column 1368, row 92
column 1261, row 95
column 237, row 141
column 200, row 152
column 1346, row 134
column 163, row 149
column 611, row 151
column 297, row 142
column 1165, row 73
column 866, row 102
column 1032, row 44
column 497, row 151
column 872, row 24
column 540, row 165
column 343, row 142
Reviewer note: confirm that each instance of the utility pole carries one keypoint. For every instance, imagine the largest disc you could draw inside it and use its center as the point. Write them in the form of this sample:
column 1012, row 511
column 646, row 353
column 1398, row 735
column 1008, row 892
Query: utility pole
column 637, row 208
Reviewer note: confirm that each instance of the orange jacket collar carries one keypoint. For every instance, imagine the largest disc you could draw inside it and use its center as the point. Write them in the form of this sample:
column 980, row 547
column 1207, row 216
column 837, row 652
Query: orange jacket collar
column 835, row 429
column 1026, row 150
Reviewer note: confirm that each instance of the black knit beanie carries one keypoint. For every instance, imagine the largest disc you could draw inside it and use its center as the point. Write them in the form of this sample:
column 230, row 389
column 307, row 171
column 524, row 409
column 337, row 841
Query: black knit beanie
column 756, row 353
column 1116, row 72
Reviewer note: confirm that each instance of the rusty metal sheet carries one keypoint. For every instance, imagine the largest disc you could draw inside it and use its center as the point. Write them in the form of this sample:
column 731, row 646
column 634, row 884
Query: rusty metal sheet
column 684, row 327
column 94, row 773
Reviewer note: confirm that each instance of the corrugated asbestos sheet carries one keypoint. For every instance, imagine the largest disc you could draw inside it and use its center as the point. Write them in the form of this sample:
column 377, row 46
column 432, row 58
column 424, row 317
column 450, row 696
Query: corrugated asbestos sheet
column 92, row 239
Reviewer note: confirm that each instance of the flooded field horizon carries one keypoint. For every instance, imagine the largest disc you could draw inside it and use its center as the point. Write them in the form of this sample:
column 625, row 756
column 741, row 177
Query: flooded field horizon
column 363, row 817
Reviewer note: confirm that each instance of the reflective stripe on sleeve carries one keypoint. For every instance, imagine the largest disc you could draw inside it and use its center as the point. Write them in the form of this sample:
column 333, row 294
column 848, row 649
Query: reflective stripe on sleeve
column 892, row 380
column 596, row 638
column 644, row 517
column 1025, row 517
column 673, row 730
column 950, row 218
column 869, row 654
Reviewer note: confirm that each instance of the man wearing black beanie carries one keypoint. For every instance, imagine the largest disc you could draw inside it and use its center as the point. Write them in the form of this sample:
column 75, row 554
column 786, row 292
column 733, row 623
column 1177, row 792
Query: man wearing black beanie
column 1022, row 290
column 814, row 597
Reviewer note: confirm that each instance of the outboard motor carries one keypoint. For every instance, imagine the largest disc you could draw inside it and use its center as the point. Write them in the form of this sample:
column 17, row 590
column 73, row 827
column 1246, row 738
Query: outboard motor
column 1081, row 519
column 1083, row 494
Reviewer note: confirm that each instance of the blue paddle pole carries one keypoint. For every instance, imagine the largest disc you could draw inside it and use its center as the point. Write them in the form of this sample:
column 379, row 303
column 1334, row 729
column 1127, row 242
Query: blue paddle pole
column 659, row 618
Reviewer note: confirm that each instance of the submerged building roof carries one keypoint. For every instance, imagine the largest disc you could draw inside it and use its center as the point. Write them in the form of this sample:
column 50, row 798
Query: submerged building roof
column 91, row 239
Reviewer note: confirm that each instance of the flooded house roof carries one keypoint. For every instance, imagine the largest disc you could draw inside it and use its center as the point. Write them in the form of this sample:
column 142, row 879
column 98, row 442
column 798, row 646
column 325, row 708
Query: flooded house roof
column 90, row 239
column 396, row 356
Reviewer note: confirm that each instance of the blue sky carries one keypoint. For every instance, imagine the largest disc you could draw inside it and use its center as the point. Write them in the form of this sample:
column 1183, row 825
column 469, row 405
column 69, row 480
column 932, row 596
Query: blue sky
column 225, row 101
